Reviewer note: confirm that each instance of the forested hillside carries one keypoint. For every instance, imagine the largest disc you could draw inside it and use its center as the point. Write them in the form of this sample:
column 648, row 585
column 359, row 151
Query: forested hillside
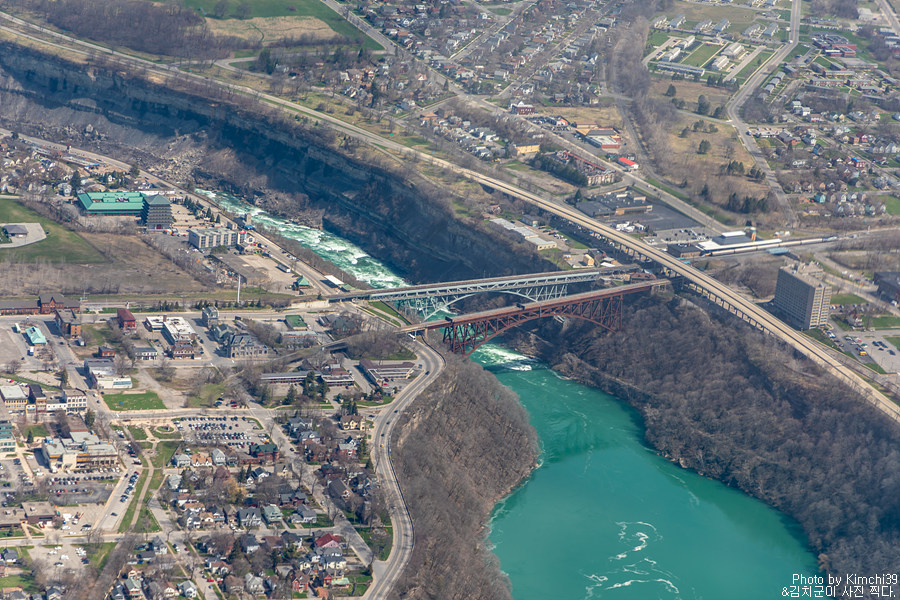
column 731, row 403
column 465, row 444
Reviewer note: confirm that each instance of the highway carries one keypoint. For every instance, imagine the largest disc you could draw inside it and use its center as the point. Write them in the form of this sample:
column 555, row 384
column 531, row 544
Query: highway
column 795, row 339
column 714, row 288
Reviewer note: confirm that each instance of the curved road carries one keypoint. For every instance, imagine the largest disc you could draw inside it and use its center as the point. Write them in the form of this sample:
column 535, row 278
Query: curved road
column 387, row 572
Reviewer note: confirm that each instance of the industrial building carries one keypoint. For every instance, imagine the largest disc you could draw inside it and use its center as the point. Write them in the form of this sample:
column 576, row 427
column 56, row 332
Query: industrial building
column 803, row 299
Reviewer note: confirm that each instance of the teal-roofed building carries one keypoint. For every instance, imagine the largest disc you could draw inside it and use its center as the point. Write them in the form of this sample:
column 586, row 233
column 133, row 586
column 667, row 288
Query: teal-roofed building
column 112, row 204
column 35, row 336
column 7, row 442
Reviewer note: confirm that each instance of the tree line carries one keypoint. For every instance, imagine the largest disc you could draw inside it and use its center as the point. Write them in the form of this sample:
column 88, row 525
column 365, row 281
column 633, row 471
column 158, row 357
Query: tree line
column 732, row 404
column 158, row 28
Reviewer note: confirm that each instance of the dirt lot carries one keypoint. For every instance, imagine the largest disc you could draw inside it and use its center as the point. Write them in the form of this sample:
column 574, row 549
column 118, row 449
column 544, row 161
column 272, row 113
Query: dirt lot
column 131, row 267
column 607, row 116
column 271, row 29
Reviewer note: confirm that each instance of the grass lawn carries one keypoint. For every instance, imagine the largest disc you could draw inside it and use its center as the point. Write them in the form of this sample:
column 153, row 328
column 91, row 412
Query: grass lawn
column 61, row 244
column 821, row 337
column 139, row 433
column 167, row 434
column 701, row 55
column 208, row 395
column 875, row 367
column 98, row 553
column 165, row 450
column 291, row 8
column 891, row 204
column 25, row 582
column 842, row 299
column 146, row 522
column 379, row 540
column 886, row 322
column 36, row 431
column 140, row 401
column 132, row 506
column 657, row 38
column 895, row 340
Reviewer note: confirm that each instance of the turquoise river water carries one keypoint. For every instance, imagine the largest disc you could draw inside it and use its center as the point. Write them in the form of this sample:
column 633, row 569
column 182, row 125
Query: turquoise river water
column 603, row 516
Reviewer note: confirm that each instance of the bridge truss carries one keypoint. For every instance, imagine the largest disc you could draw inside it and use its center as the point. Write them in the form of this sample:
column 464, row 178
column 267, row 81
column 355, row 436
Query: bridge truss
column 466, row 333
column 430, row 299
column 465, row 338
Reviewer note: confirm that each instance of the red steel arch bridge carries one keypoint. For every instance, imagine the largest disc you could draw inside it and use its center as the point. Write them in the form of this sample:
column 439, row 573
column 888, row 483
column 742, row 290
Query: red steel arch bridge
column 466, row 333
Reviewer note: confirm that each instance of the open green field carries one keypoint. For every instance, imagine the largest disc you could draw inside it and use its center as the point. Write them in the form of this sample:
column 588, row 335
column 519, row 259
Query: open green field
column 842, row 299
column 165, row 450
column 886, row 322
column 139, row 433
column 739, row 17
column 23, row 581
column 892, row 204
column 287, row 8
column 207, row 395
column 822, row 338
column 895, row 340
column 657, row 38
column 139, row 401
column 98, row 553
column 36, row 431
column 760, row 59
column 61, row 244
column 701, row 55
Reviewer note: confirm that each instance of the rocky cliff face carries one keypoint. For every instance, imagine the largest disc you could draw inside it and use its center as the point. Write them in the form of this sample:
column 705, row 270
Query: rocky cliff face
column 227, row 142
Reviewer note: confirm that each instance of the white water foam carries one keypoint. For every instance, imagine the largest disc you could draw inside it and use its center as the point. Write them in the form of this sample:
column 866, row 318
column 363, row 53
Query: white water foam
column 347, row 256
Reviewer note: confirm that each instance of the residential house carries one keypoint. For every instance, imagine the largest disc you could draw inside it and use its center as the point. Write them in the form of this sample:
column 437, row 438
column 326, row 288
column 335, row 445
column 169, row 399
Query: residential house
column 249, row 544
column 249, row 517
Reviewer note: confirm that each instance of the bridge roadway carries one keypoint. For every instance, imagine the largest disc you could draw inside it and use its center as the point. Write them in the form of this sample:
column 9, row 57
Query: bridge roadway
column 712, row 288
column 492, row 284
column 539, row 306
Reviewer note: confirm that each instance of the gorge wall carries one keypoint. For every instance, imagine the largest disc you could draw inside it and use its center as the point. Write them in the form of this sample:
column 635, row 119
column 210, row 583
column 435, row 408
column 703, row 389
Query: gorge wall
column 450, row 480
column 227, row 140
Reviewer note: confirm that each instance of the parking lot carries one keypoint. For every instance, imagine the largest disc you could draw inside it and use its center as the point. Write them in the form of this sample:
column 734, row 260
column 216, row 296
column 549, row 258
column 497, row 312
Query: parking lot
column 63, row 555
column 83, row 489
column 11, row 471
column 236, row 432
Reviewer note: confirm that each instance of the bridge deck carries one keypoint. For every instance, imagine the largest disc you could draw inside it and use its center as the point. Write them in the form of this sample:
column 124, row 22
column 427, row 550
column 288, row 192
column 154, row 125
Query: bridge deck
column 509, row 310
column 490, row 282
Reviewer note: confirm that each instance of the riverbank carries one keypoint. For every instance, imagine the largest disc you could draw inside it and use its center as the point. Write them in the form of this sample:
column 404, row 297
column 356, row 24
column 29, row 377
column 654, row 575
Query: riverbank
column 724, row 401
